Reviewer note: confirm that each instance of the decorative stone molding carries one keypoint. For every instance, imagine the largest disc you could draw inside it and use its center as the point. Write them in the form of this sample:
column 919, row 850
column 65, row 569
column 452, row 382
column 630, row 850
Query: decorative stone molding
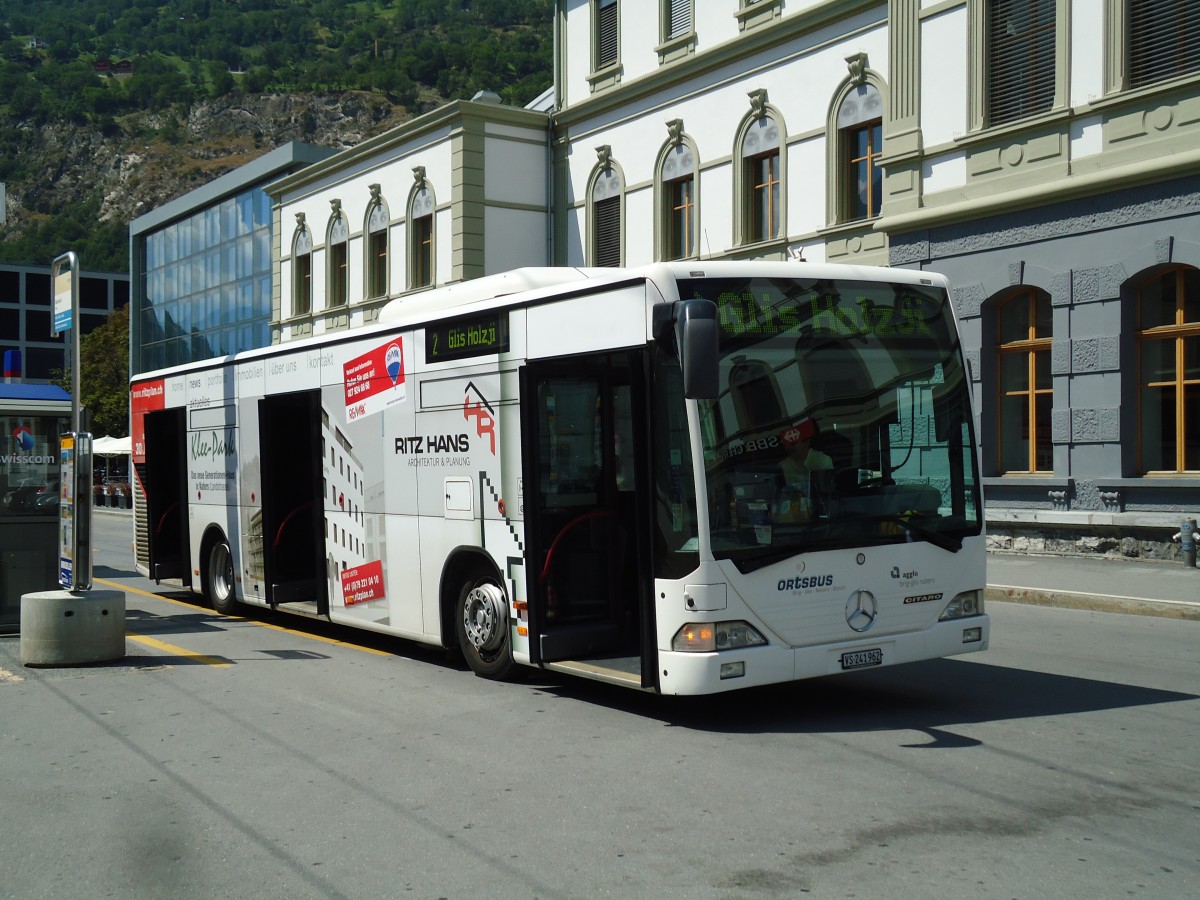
column 973, row 371
column 604, row 156
column 300, row 226
column 375, row 192
column 1102, row 283
column 1060, row 426
column 1102, row 354
column 1095, row 426
column 419, row 176
column 336, row 205
column 675, row 130
column 1060, row 358
column 758, row 103
column 1060, row 289
column 856, row 63
column 968, row 301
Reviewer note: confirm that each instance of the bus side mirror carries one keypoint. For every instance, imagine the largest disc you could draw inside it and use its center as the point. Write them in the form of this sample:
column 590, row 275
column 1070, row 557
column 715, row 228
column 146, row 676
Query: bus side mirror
column 696, row 337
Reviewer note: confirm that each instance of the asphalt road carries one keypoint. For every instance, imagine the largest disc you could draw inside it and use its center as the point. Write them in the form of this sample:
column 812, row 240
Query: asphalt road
column 273, row 758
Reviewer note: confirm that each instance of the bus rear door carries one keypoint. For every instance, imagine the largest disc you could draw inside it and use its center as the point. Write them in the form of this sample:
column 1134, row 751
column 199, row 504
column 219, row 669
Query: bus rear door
column 165, row 485
column 293, row 494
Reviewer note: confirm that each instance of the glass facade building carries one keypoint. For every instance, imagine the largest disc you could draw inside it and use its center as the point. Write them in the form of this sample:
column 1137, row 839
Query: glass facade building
column 201, row 266
column 208, row 283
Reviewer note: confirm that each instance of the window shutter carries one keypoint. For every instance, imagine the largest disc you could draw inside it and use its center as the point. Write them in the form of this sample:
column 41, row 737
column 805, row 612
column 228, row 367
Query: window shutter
column 607, row 217
column 681, row 18
column 1164, row 40
column 1021, row 45
column 606, row 34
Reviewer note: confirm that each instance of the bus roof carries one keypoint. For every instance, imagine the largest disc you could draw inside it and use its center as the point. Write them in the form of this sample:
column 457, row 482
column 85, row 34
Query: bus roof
column 534, row 283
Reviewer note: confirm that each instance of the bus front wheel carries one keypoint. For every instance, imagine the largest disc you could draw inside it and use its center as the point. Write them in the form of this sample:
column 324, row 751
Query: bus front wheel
column 220, row 579
column 481, row 620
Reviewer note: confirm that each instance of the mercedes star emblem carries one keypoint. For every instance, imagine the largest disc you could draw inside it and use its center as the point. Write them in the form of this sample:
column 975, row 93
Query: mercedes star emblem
column 861, row 610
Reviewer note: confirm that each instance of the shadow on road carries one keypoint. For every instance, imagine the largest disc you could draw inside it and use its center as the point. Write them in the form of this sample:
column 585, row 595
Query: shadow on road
column 109, row 572
column 928, row 696
column 931, row 697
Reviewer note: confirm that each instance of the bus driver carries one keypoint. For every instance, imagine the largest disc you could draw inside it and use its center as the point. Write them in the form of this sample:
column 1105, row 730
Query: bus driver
column 799, row 461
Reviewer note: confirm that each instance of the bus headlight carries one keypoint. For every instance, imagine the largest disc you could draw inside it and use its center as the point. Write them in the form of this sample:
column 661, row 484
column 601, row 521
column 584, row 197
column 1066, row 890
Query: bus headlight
column 706, row 637
column 968, row 603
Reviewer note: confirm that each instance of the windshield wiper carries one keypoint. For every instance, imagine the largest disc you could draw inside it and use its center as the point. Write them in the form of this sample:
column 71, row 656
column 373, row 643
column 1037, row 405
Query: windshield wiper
column 950, row 542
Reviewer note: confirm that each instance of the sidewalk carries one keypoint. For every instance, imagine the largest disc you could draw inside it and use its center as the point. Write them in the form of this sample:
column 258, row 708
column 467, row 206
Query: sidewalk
column 1108, row 585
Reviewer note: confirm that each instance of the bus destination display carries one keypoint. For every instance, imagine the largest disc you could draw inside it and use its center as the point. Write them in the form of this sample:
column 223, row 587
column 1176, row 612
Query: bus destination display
column 463, row 338
column 762, row 309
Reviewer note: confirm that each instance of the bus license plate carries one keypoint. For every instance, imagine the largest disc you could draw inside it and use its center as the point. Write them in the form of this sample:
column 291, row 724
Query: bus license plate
column 860, row 659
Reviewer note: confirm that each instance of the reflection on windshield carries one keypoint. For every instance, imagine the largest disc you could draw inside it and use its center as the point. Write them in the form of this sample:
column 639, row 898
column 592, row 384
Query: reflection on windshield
column 842, row 419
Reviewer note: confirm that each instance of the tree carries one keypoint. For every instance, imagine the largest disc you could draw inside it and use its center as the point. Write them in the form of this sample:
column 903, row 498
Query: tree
column 104, row 375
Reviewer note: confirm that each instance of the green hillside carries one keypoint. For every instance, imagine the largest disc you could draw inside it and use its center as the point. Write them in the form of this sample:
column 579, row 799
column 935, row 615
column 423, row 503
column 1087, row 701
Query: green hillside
column 91, row 90
column 63, row 58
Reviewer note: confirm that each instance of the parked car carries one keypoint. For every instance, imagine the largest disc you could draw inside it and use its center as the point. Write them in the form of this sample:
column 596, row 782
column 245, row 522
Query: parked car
column 43, row 499
column 48, row 501
column 15, row 498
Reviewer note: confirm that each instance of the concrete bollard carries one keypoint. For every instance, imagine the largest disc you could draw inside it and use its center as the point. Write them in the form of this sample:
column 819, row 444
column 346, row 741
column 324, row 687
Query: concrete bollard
column 61, row 628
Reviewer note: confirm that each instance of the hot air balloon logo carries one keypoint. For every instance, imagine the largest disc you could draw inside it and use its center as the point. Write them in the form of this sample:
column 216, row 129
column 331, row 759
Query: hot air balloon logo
column 393, row 360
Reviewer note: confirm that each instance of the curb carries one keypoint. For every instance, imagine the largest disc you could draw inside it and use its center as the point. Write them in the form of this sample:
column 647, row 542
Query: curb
column 1138, row 606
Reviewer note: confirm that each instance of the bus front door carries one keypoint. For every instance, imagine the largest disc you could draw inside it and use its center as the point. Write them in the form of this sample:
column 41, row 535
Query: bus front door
column 166, row 491
column 585, row 519
column 293, row 496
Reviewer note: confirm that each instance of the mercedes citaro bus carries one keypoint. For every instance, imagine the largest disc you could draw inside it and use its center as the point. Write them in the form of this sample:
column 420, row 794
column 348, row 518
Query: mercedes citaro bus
column 684, row 478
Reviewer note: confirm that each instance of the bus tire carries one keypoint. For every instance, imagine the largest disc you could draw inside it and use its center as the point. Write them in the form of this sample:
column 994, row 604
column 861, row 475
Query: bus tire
column 219, row 578
column 481, row 622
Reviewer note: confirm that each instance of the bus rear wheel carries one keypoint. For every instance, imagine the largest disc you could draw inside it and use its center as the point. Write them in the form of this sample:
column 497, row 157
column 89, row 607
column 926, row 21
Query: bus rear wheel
column 219, row 578
column 481, row 621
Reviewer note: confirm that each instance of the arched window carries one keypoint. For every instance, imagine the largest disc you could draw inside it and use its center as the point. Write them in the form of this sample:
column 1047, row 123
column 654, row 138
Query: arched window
column 338, row 275
column 759, row 178
column 301, row 272
column 679, row 201
column 421, row 207
column 606, row 213
column 376, row 229
column 1024, row 329
column 1168, row 329
column 860, row 145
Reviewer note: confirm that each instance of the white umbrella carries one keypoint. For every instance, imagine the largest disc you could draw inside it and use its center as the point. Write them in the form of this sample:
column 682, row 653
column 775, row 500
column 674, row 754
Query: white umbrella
column 111, row 446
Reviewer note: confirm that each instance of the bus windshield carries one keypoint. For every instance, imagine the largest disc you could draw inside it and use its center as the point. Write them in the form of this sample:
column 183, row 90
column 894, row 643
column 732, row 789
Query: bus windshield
column 842, row 419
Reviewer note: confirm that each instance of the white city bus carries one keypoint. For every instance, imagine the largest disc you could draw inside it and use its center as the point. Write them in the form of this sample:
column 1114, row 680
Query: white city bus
column 588, row 471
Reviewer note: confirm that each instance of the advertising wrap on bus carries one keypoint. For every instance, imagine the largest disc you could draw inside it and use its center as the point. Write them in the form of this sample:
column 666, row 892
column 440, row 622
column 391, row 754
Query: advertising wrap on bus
column 468, row 477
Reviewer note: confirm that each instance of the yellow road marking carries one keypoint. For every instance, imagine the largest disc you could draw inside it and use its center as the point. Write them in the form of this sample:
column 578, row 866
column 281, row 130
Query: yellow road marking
column 178, row 651
column 268, row 625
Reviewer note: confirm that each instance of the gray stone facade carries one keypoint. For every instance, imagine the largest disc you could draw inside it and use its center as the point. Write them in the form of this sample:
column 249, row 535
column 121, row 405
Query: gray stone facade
column 1089, row 254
